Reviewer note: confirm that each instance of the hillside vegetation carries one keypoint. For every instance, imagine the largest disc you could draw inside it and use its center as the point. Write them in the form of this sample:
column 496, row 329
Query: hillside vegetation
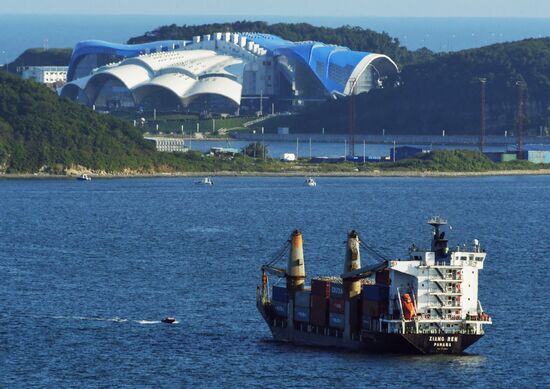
column 41, row 57
column 39, row 131
column 443, row 93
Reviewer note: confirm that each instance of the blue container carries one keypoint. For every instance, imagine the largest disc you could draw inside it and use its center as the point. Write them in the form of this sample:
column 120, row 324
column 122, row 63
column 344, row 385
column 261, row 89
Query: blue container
column 279, row 294
column 301, row 298
column 336, row 320
column 281, row 309
column 375, row 292
column 301, row 314
column 336, row 290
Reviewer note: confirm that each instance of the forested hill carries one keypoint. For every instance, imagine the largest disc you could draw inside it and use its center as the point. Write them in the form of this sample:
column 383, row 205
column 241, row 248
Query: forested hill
column 41, row 57
column 39, row 131
column 444, row 93
column 356, row 38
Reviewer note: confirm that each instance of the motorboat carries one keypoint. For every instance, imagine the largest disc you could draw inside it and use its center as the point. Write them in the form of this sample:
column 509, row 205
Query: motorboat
column 205, row 181
column 84, row 177
column 169, row 320
column 310, row 181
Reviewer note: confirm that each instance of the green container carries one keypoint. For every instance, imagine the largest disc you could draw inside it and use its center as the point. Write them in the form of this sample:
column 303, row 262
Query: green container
column 506, row 157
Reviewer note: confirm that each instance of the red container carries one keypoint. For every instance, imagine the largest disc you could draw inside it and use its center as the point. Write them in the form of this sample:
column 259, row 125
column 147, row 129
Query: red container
column 319, row 311
column 320, row 288
column 383, row 277
column 370, row 308
column 337, row 305
column 374, row 308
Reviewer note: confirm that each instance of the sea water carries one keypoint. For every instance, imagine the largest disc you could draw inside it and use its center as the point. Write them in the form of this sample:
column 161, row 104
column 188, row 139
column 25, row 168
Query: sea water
column 88, row 270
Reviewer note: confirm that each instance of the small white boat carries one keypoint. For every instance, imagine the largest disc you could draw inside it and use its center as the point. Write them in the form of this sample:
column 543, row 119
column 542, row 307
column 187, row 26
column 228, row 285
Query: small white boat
column 84, row 177
column 205, row 181
column 310, row 181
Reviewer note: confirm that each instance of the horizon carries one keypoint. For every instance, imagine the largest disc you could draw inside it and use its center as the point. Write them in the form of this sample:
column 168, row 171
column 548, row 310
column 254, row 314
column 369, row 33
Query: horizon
column 305, row 8
column 251, row 17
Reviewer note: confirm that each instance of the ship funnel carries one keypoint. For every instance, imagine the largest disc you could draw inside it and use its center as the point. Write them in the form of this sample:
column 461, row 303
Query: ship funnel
column 296, row 269
column 352, row 262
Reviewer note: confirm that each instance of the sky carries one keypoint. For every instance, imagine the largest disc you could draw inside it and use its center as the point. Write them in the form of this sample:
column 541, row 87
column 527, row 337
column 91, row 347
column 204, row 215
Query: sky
column 296, row 8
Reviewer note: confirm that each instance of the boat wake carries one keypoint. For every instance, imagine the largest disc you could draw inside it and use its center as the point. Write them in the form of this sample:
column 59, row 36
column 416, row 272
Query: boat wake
column 115, row 319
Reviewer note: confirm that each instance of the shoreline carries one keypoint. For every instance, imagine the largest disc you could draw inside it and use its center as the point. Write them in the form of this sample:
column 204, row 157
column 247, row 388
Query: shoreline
column 403, row 173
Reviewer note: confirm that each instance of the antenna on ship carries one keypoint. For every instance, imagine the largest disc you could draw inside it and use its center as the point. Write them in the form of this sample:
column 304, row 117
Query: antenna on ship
column 482, row 82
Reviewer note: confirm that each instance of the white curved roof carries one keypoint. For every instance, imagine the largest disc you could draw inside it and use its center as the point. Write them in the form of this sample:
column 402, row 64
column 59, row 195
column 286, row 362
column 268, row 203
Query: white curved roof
column 176, row 83
column 222, row 86
column 362, row 66
column 129, row 74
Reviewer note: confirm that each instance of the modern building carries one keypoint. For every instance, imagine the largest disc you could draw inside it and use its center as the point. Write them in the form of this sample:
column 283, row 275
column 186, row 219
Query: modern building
column 45, row 74
column 222, row 73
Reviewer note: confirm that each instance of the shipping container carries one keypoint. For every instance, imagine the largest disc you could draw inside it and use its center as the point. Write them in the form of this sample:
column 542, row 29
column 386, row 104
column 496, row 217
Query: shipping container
column 279, row 294
column 336, row 320
column 337, row 305
column 336, row 290
column 507, row 157
column 328, row 287
column 320, row 287
column 375, row 292
column 538, row 156
column 318, row 313
column 370, row 323
column 301, row 298
column 374, row 308
column 383, row 277
column 301, row 314
column 280, row 309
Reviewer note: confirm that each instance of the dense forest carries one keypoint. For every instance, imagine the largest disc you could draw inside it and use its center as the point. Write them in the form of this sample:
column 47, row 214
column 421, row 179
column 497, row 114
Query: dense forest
column 41, row 57
column 356, row 38
column 39, row 131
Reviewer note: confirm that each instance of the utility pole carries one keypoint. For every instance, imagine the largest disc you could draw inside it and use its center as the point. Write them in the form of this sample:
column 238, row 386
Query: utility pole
column 519, row 124
column 482, row 82
column 351, row 132
column 261, row 102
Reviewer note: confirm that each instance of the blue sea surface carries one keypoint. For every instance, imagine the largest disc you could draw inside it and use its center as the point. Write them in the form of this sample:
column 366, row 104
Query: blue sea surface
column 20, row 32
column 88, row 269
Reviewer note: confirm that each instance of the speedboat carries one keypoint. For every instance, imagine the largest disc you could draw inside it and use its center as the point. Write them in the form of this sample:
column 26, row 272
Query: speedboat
column 169, row 320
column 84, row 177
column 310, row 181
column 205, row 181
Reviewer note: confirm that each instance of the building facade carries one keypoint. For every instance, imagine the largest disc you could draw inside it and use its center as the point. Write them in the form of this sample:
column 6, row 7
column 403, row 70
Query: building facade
column 222, row 73
column 45, row 74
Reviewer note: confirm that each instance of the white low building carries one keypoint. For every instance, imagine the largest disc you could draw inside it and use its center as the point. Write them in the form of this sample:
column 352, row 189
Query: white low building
column 45, row 74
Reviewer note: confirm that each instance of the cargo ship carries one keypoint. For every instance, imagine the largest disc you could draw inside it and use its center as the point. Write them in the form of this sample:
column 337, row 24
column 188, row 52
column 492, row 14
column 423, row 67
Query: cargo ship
column 426, row 303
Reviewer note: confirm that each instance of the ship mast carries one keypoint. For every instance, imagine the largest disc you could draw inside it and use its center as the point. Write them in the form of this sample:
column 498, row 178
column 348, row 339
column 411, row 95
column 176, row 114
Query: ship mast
column 439, row 243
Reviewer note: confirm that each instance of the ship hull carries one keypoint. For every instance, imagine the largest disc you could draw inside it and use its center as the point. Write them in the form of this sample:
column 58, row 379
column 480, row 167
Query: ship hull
column 377, row 342
column 372, row 341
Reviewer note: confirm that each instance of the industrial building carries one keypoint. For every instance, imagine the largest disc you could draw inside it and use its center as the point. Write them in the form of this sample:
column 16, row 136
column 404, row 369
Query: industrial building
column 221, row 73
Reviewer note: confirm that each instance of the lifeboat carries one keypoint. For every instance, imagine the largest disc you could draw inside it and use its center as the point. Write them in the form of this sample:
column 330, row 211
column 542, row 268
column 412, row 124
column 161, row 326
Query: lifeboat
column 408, row 307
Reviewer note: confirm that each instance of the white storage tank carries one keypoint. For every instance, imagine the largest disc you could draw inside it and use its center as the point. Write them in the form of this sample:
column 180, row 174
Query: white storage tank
column 218, row 36
column 196, row 39
column 250, row 46
column 235, row 38
column 242, row 41
column 227, row 37
column 206, row 37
